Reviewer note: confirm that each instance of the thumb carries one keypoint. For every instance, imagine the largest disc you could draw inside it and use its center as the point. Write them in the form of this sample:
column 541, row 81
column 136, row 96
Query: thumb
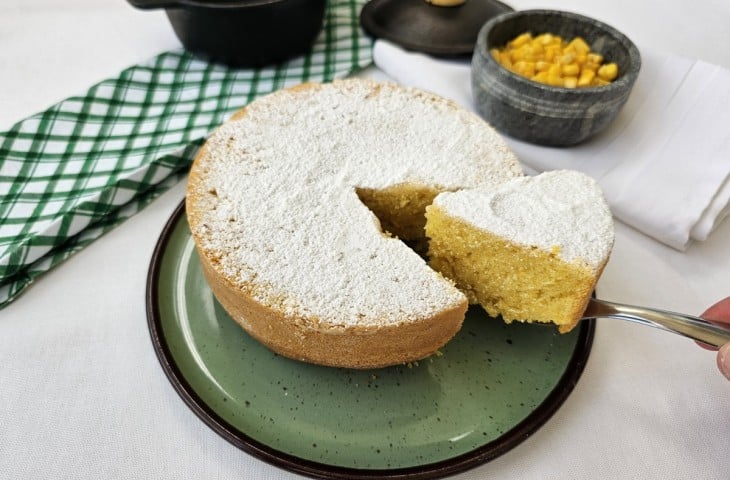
column 719, row 312
column 723, row 360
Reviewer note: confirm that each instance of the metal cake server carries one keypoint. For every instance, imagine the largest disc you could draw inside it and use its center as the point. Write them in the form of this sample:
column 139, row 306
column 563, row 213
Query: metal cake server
column 679, row 323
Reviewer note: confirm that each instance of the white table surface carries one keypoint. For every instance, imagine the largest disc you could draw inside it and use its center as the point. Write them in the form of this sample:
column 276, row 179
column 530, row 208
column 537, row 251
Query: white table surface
column 82, row 394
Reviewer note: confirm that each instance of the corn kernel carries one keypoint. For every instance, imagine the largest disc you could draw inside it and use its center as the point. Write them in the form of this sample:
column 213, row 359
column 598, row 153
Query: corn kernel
column 524, row 68
column 536, row 48
column 579, row 45
column 505, row 60
column 586, row 77
column 545, row 38
column 521, row 40
column 596, row 58
column 551, row 51
column 570, row 70
column 591, row 66
column 567, row 58
column 542, row 66
column 570, row 82
column 554, row 80
column 541, row 77
column 608, row 72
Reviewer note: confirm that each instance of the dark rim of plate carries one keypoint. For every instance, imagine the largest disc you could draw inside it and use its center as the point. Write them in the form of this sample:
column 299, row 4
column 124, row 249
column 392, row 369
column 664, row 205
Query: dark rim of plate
column 440, row 469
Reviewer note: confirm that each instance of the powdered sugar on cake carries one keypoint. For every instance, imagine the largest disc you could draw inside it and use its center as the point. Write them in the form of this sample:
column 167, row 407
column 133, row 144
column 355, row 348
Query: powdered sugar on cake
column 561, row 211
column 281, row 213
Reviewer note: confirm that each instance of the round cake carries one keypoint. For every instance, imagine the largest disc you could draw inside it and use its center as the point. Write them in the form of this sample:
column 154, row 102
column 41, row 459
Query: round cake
column 301, row 205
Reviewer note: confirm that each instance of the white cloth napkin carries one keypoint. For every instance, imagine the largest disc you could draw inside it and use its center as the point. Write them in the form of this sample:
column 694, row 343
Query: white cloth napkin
column 664, row 164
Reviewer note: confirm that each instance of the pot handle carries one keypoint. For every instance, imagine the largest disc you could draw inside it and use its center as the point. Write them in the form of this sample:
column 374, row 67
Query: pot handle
column 150, row 4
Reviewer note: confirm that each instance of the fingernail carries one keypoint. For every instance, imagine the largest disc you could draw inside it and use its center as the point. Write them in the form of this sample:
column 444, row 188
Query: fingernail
column 723, row 360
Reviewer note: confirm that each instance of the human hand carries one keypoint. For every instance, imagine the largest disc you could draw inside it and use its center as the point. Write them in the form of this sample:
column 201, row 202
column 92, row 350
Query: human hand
column 720, row 313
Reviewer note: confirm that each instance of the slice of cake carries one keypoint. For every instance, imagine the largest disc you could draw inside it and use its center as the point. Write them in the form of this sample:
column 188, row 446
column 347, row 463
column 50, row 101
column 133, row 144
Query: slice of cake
column 530, row 250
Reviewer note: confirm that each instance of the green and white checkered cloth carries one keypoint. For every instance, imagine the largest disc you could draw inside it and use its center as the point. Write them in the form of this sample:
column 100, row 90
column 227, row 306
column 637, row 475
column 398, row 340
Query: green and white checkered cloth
column 78, row 169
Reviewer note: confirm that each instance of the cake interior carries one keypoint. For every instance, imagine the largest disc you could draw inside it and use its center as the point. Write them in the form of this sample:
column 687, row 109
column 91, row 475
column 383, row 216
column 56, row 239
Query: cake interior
column 517, row 282
column 401, row 211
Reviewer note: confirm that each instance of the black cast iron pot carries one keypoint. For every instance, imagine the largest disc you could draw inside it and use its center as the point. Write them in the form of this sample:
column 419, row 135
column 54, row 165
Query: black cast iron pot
column 243, row 33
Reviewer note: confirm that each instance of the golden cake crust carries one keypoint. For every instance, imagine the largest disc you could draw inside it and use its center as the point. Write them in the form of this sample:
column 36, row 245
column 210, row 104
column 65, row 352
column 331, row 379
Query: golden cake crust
column 353, row 347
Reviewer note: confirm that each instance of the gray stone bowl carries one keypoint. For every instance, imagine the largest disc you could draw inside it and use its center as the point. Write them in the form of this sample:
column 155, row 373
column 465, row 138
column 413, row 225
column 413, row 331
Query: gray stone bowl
column 543, row 114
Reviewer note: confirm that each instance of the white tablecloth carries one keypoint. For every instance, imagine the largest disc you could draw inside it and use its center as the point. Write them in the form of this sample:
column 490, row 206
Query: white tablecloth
column 82, row 394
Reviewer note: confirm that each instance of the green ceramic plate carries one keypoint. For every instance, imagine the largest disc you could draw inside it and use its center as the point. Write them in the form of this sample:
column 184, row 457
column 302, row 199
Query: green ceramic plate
column 488, row 390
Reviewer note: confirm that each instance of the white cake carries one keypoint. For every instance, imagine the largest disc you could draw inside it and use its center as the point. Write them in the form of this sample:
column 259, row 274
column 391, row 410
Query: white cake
column 280, row 203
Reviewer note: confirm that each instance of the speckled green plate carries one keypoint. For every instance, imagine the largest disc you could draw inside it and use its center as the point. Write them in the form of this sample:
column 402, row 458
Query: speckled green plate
column 492, row 386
